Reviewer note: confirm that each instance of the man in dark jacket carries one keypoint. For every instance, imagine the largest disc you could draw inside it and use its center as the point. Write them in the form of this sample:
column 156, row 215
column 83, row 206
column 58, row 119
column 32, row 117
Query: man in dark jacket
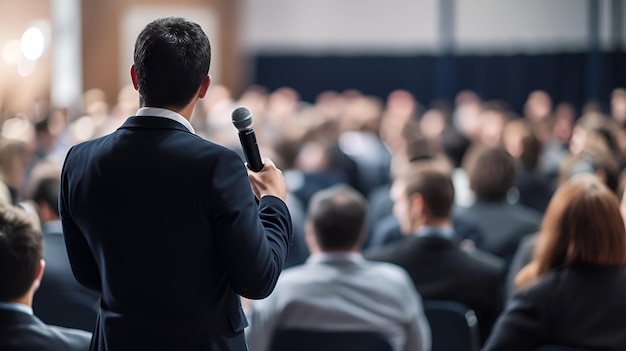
column 21, row 269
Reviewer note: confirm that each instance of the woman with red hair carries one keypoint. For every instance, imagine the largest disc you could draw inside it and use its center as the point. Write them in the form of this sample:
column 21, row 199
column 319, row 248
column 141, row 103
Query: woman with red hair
column 573, row 291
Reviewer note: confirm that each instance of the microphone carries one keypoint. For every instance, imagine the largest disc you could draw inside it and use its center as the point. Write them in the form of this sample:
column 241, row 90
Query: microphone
column 242, row 120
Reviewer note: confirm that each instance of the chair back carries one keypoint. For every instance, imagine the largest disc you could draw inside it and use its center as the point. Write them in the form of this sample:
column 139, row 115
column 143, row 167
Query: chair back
column 559, row 348
column 453, row 326
column 315, row 340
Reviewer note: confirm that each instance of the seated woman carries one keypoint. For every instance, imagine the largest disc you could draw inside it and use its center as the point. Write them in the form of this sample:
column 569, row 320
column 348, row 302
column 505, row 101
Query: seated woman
column 572, row 292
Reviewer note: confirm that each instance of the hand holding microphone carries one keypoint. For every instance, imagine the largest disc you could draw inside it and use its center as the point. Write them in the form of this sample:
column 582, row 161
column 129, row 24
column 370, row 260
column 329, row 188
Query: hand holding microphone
column 264, row 177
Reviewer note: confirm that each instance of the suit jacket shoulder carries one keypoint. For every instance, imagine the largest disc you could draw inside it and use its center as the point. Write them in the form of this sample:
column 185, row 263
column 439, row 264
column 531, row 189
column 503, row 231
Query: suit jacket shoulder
column 411, row 251
column 440, row 270
column 580, row 306
column 20, row 331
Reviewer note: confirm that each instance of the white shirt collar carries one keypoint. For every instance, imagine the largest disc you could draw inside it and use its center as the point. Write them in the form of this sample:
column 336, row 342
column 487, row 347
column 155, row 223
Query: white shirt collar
column 429, row 231
column 165, row 113
column 335, row 256
column 16, row 307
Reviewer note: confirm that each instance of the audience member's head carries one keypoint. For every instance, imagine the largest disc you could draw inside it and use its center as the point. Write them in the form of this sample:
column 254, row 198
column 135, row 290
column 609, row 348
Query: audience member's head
column 14, row 156
column 466, row 113
column 454, row 146
column 520, row 141
column 422, row 195
column 172, row 58
column 594, row 130
column 564, row 117
column 492, row 172
column 434, row 120
column 336, row 220
column 582, row 225
column 592, row 161
column 21, row 253
column 46, row 196
column 618, row 105
column 493, row 117
column 538, row 106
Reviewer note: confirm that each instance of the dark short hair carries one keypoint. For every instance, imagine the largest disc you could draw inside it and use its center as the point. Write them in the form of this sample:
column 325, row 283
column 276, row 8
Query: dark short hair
column 492, row 173
column 338, row 217
column 434, row 185
column 172, row 58
column 47, row 191
column 21, row 249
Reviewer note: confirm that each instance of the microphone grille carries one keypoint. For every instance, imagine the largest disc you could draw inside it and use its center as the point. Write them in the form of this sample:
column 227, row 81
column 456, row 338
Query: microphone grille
column 241, row 117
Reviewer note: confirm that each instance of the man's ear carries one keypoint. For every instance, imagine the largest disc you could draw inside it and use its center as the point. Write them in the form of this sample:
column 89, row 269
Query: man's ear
column 45, row 212
column 309, row 237
column 417, row 203
column 206, row 82
column 133, row 77
column 39, row 274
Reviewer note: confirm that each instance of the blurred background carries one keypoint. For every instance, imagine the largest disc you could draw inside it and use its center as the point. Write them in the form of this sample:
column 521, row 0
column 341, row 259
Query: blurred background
column 52, row 51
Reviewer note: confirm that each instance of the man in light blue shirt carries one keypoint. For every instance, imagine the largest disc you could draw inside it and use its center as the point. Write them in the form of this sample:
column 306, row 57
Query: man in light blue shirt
column 336, row 289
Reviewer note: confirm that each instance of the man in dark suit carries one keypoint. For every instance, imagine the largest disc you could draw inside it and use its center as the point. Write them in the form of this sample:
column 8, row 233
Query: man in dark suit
column 503, row 225
column 423, row 198
column 21, row 268
column 163, row 223
column 60, row 299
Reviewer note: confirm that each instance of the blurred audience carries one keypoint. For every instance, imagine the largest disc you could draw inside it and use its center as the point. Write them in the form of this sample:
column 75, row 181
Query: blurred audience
column 504, row 168
column 338, row 290
column 60, row 299
column 555, row 147
column 533, row 190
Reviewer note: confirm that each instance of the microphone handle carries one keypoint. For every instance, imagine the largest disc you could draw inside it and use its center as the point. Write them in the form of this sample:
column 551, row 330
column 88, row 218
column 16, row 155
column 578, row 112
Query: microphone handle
column 251, row 150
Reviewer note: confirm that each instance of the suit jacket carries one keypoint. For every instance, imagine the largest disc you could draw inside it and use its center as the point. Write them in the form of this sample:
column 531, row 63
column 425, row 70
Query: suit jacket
column 522, row 257
column 387, row 230
column 60, row 299
column 342, row 294
column 440, row 270
column 502, row 225
column 20, row 331
column 582, row 306
column 165, row 226
column 535, row 191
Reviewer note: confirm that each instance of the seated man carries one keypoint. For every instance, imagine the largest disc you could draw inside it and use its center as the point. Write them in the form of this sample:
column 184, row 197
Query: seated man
column 440, row 269
column 60, row 299
column 492, row 174
column 21, row 268
column 336, row 289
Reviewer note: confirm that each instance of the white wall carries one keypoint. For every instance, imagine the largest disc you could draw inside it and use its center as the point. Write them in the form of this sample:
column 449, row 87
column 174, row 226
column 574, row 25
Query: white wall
column 339, row 25
column 526, row 25
column 375, row 26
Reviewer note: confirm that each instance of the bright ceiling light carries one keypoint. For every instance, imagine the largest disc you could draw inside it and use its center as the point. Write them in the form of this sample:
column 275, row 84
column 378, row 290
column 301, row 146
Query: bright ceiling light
column 33, row 43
